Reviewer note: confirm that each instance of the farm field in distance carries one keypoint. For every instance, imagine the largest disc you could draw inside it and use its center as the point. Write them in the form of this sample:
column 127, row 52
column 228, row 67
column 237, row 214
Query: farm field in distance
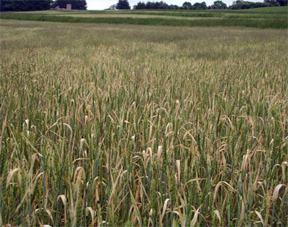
column 271, row 17
column 133, row 125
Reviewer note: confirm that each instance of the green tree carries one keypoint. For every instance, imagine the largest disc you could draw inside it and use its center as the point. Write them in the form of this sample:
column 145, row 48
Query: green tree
column 283, row 2
column 277, row 2
column 200, row 6
column 5, row 5
column 123, row 4
column 24, row 5
column 140, row 5
column 173, row 7
column 150, row 5
column 219, row 5
column 187, row 5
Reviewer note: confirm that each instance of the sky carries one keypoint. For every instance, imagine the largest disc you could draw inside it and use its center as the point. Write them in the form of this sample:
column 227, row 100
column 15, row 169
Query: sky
column 104, row 4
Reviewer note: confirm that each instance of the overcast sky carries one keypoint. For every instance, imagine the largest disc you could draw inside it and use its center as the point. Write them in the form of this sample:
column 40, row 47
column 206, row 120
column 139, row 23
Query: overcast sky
column 104, row 4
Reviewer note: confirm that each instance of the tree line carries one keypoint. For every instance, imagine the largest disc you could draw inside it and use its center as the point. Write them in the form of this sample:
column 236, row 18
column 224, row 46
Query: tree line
column 155, row 5
column 33, row 5
column 186, row 5
column 248, row 5
column 239, row 4
column 124, row 4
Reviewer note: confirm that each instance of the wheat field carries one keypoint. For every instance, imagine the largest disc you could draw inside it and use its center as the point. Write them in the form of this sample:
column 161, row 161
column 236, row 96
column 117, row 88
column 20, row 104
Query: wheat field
column 121, row 125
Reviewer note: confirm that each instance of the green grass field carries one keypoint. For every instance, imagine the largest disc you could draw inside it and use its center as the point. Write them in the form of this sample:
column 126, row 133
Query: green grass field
column 272, row 17
column 128, row 125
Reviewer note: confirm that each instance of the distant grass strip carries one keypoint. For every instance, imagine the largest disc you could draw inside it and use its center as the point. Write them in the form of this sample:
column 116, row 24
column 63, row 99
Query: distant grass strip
column 267, row 10
column 277, row 24
column 225, row 14
column 228, row 14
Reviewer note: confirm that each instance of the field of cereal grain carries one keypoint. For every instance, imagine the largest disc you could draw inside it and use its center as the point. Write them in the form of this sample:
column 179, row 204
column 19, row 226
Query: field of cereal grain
column 129, row 125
